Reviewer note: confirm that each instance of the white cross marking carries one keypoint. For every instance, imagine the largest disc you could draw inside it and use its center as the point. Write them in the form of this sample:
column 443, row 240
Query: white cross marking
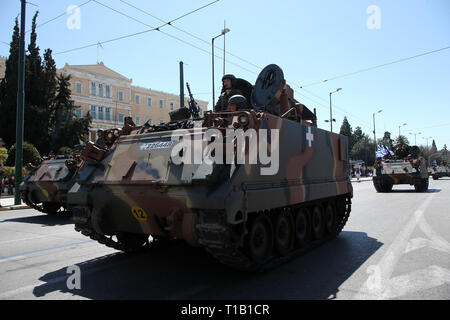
column 309, row 136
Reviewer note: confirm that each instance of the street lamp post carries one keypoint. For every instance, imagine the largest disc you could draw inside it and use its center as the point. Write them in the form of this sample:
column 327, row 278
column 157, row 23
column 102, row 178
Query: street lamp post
column 399, row 129
column 415, row 135
column 374, row 136
column 224, row 31
column 428, row 151
column 331, row 110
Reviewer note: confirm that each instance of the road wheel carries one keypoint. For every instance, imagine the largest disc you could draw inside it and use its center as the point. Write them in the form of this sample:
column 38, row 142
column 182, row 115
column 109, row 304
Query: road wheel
column 259, row 240
column 318, row 222
column 132, row 240
column 302, row 227
column 330, row 218
column 51, row 208
column 284, row 233
column 387, row 186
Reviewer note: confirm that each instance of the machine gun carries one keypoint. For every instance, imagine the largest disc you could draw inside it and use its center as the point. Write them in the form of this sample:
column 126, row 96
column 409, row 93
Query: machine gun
column 193, row 106
column 185, row 113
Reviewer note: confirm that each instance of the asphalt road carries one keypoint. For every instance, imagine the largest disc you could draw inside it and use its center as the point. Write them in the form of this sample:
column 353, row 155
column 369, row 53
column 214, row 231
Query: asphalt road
column 394, row 246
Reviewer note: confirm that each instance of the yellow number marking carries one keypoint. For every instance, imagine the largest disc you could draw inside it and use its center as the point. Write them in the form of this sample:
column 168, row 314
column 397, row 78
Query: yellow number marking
column 139, row 213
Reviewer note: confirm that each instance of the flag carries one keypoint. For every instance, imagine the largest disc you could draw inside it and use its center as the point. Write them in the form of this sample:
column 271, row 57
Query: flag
column 381, row 151
column 389, row 151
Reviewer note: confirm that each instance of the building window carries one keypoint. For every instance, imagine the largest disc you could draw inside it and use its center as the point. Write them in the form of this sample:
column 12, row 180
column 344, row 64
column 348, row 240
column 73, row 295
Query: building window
column 120, row 119
column 107, row 113
column 93, row 112
column 136, row 99
column 108, row 91
column 171, row 106
column 78, row 87
column 93, row 89
column 149, row 101
column 100, row 113
column 161, row 104
column 78, row 112
column 137, row 120
column 120, row 94
column 100, row 90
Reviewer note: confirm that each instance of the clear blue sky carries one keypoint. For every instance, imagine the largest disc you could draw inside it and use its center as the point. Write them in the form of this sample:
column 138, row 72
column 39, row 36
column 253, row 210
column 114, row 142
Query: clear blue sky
column 310, row 40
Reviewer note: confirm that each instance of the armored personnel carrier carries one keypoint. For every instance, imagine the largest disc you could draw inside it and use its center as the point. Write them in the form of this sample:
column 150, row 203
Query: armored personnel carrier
column 45, row 187
column 254, row 187
column 439, row 171
column 404, row 166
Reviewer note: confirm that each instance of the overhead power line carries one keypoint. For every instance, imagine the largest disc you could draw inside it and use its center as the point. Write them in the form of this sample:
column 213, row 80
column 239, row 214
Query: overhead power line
column 152, row 28
column 188, row 33
column 374, row 67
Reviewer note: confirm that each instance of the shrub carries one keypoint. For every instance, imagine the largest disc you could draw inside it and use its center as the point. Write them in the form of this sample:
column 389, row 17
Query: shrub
column 30, row 155
column 64, row 150
column 3, row 155
column 10, row 171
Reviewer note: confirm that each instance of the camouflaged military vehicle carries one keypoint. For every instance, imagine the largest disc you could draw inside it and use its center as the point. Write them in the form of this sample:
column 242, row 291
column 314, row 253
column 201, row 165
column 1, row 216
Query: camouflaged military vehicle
column 439, row 171
column 254, row 187
column 404, row 166
column 45, row 187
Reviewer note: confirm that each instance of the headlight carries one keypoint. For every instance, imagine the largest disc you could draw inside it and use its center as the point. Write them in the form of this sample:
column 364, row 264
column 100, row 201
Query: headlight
column 243, row 120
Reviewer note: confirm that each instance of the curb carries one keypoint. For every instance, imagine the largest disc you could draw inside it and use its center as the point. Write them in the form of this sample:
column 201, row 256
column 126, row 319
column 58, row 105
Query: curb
column 18, row 207
column 360, row 180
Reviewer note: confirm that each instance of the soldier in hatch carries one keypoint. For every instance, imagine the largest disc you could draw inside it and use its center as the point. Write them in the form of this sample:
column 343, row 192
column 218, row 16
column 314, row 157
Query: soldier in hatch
column 228, row 90
column 237, row 102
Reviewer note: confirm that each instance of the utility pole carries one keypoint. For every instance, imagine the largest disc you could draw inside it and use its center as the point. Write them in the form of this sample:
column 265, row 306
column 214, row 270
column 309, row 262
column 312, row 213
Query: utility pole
column 331, row 110
column 181, row 85
column 374, row 135
column 20, row 107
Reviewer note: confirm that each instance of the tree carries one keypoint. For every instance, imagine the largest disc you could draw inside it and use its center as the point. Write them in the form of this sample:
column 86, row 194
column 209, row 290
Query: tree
column 358, row 134
column 66, row 129
column 45, row 107
column 346, row 130
column 433, row 148
column 402, row 140
column 364, row 149
column 8, row 91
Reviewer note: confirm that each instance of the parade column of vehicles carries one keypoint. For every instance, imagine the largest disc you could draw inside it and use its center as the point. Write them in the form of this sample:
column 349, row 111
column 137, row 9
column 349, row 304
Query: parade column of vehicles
column 250, row 215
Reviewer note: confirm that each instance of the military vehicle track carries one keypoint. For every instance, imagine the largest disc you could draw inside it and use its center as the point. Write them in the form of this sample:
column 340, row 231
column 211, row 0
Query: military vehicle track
column 214, row 235
column 141, row 245
column 46, row 207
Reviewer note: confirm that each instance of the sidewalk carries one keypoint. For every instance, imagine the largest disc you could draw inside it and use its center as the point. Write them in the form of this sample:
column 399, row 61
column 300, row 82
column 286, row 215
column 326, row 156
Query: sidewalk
column 7, row 203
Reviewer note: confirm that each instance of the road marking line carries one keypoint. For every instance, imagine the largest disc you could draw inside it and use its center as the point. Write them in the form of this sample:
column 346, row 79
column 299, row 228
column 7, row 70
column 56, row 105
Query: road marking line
column 418, row 280
column 32, row 238
column 43, row 250
column 378, row 282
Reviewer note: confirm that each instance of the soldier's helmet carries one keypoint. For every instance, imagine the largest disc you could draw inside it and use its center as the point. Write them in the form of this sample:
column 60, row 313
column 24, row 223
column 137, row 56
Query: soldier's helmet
column 239, row 101
column 231, row 77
